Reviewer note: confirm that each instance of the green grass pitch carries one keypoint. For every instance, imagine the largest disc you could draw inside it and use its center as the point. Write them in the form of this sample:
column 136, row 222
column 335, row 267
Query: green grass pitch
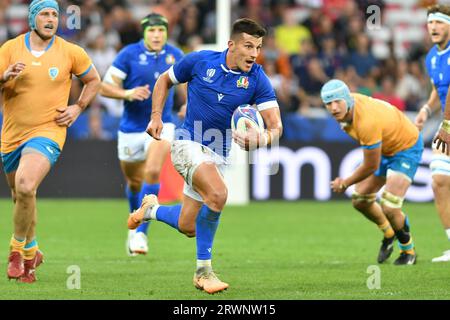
column 273, row 250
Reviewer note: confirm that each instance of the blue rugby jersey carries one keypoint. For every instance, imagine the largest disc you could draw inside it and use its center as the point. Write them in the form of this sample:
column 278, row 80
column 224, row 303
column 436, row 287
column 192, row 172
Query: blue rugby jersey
column 140, row 67
column 438, row 68
column 214, row 92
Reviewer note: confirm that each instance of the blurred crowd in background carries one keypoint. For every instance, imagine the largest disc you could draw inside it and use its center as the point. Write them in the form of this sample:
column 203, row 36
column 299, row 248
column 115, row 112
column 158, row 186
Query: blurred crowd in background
column 309, row 42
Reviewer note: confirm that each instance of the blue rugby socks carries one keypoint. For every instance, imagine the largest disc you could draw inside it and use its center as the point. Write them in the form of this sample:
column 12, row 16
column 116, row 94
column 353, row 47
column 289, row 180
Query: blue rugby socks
column 206, row 226
column 149, row 189
column 133, row 199
column 169, row 215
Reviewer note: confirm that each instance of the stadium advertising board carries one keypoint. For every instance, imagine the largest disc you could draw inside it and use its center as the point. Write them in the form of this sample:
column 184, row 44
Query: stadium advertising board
column 297, row 171
column 90, row 169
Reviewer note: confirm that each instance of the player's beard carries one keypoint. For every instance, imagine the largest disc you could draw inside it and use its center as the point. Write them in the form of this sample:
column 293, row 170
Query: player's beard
column 43, row 38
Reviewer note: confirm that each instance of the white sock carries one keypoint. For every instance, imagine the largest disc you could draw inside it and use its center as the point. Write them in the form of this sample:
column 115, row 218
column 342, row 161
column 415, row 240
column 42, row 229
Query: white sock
column 150, row 213
column 448, row 233
column 204, row 264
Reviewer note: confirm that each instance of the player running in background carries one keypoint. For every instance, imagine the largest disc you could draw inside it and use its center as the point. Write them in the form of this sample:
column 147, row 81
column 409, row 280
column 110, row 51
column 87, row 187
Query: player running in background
column 218, row 83
column 438, row 68
column 35, row 75
column 392, row 148
column 132, row 78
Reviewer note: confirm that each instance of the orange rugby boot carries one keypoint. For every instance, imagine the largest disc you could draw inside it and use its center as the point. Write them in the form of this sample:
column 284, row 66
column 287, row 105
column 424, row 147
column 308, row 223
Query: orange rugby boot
column 209, row 282
column 137, row 217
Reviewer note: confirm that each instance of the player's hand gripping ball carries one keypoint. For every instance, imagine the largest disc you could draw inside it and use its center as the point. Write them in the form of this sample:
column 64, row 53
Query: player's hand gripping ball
column 248, row 128
column 246, row 113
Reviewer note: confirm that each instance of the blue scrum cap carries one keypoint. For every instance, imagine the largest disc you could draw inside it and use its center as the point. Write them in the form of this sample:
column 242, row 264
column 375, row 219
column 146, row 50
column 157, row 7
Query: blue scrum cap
column 336, row 90
column 37, row 6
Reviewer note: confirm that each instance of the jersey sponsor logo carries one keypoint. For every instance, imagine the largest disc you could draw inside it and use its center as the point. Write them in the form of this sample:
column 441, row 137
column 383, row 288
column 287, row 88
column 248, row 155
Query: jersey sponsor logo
column 36, row 64
column 53, row 73
column 209, row 74
column 220, row 96
column 243, row 82
column 170, row 59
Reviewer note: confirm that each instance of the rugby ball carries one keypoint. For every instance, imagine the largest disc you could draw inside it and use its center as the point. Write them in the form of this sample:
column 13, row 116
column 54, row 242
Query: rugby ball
column 243, row 113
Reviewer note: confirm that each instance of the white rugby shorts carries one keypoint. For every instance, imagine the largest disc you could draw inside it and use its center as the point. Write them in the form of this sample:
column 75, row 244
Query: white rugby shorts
column 187, row 156
column 133, row 147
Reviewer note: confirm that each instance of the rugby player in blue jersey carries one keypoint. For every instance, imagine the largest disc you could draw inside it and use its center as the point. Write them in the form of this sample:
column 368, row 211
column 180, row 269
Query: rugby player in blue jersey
column 132, row 78
column 438, row 68
column 218, row 82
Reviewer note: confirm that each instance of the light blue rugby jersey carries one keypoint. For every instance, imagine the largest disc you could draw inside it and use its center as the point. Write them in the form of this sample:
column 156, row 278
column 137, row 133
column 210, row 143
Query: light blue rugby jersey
column 139, row 66
column 214, row 92
column 438, row 68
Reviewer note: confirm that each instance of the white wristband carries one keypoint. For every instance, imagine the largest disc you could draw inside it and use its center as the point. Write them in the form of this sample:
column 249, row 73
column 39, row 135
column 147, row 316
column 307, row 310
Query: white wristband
column 128, row 94
column 427, row 109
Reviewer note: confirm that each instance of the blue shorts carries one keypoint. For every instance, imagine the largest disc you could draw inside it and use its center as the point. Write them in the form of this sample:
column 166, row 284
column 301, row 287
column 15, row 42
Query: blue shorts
column 406, row 161
column 45, row 146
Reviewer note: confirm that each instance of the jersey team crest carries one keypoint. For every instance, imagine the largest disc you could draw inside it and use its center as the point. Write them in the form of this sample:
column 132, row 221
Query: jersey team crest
column 243, row 82
column 170, row 59
column 53, row 73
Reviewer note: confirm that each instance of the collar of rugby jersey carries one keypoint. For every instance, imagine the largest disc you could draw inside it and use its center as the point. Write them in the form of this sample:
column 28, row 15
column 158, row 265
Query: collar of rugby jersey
column 28, row 44
column 151, row 53
column 223, row 64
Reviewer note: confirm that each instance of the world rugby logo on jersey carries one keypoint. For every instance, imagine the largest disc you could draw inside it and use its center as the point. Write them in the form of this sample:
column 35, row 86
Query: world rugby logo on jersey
column 143, row 59
column 53, row 73
column 209, row 74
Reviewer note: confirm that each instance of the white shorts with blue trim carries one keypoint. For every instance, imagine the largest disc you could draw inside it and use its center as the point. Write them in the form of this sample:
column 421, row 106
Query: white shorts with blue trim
column 187, row 156
column 133, row 147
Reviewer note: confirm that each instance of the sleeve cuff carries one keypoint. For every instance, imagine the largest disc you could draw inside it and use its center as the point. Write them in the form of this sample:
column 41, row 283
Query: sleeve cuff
column 117, row 72
column 373, row 146
column 267, row 105
column 85, row 73
column 172, row 76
